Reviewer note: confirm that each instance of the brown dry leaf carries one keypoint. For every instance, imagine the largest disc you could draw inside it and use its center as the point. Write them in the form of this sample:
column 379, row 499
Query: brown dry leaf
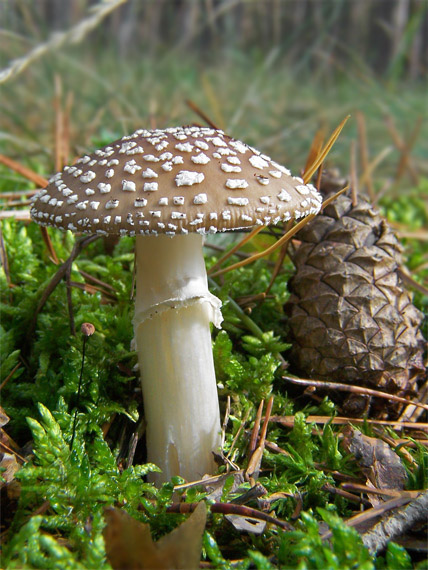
column 8, row 457
column 129, row 544
column 4, row 418
column 215, row 488
column 10, row 465
column 381, row 465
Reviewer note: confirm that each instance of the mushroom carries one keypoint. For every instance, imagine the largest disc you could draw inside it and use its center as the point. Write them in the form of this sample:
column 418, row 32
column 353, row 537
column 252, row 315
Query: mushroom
column 169, row 188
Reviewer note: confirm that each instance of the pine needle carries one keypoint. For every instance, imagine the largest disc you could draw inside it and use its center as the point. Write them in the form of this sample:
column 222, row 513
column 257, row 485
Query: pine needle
column 307, row 175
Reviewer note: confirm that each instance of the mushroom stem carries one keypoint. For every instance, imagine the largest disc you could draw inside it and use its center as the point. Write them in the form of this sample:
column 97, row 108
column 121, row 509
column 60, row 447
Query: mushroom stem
column 173, row 311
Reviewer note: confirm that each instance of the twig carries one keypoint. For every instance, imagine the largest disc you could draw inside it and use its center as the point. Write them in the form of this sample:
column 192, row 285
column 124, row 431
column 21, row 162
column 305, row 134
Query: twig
column 411, row 412
column 13, row 452
column 19, row 215
column 266, row 422
column 410, row 282
column 353, row 175
column 79, row 389
column 59, row 275
column 267, row 251
column 255, row 432
column 208, row 481
column 237, row 246
column 315, row 148
column 288, row 421
column 18, row 195
column 69, row 299
column 66, row 127
column 404, row 148
column 201, row 114
column 224, row 423
column 9, row 376
column 222, row 249
column 252, row 471
column 49, row 245
column 353, row 389
column 230, row 509
column 238, row 433
column 136, row 436
column 362, row 139
column 373, row 513
column 92, row 289
column 358, row 488
column 307, row 175
column 4, row 260
column 366, row 174
column 279, row 262
column 281, row 241
column 58, row 39
column 62, row 130
column 102, row 284
column 345, row 494
column 23, row 170
column 394, row 444
column 18, row 203
column 58, row 123
column 396, row 524
column 253, row 493
column 24, row 215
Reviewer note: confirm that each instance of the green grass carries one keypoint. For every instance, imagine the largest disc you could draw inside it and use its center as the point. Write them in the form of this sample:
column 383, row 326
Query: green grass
column 278, row 111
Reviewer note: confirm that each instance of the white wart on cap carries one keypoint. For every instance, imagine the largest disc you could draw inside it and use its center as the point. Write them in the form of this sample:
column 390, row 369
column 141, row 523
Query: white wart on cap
column 173, row 181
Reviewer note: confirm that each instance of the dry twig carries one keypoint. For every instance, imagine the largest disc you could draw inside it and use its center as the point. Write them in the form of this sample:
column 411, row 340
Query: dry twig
column 400, row 521
column 288, row 421
column 56, row 279
column 58, row 39
column 230, row 509
column 354, row 389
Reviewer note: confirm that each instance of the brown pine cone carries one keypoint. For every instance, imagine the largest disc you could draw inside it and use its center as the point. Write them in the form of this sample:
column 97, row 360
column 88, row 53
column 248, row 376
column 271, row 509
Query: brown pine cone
column 350, row 318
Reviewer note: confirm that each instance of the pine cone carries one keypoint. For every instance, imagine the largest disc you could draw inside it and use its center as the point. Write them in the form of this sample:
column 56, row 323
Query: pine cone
column 350, row 318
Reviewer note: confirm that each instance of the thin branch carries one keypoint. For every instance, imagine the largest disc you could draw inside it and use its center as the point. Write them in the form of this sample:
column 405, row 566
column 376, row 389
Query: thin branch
column 362, row 139
column 396, row 524
column 353, row 389
column 58, row 39
column 307, row 175
column 59, row 275
column 19, row 215
column 230, row 509
column 237, row 246
column 49, row 245
column 253, row 469
column 192, row 105
column 24, row 171
column 375, row 512
column 288, row 421
column 269, row 250
column 4, row 260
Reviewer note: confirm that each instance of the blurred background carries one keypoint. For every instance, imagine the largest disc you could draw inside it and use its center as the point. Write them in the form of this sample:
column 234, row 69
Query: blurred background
column 270, row 72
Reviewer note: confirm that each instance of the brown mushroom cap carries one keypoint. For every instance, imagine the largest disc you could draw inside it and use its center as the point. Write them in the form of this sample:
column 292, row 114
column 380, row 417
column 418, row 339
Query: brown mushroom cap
column 173, row 181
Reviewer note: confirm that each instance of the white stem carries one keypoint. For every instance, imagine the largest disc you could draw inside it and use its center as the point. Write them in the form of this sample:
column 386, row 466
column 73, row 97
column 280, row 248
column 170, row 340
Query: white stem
column 173, row 311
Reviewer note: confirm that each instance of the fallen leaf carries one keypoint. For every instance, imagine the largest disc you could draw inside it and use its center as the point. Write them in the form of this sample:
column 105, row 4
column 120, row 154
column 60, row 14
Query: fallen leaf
column 246, row 524
column 215, row 488
column 129, row 544
column 9, row 467
column 4, row 418
column 379, row 463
